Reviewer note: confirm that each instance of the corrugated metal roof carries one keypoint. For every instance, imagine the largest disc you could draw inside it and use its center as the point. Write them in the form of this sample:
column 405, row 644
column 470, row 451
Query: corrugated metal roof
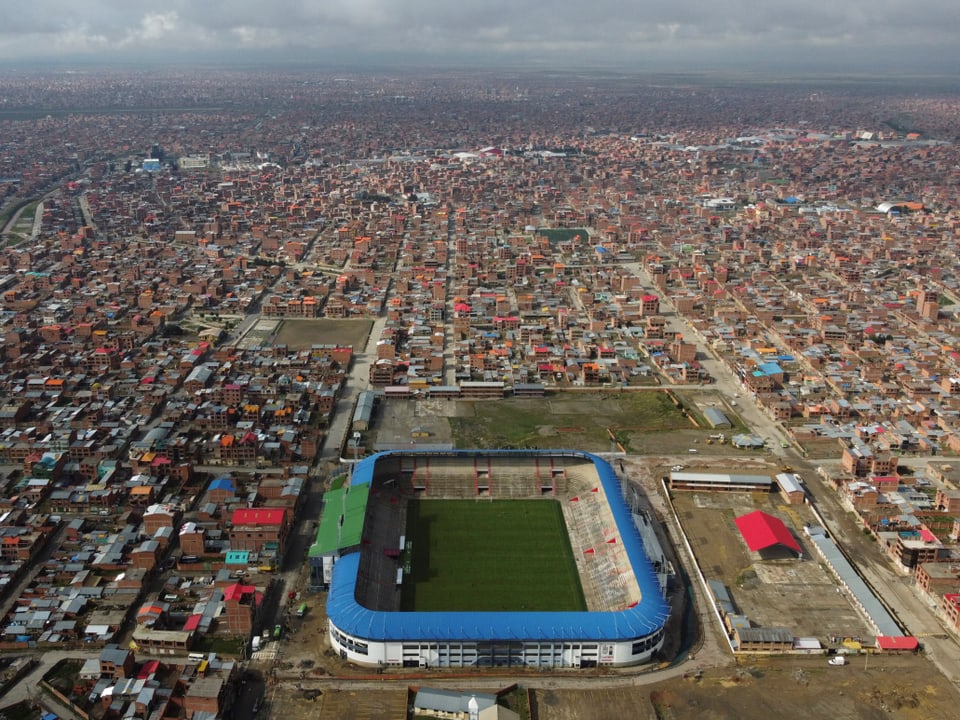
column 765, row 634
column 788, row 483
column 451, row 701
column 716, row 417
column 258, row 516
column 364, row 410
column 881, row 619
column 223, row 483
column 724, row 478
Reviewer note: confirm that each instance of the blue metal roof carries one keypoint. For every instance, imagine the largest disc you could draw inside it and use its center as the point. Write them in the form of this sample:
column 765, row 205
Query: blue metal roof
column 223, row 483
column 643, row 619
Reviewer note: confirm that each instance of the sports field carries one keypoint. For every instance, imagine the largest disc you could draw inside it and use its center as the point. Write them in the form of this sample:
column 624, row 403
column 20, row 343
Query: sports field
column 301, row 334
column 483, row 555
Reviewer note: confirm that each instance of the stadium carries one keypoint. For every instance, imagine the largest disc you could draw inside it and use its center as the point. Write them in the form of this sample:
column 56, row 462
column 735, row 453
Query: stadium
column 488, row 558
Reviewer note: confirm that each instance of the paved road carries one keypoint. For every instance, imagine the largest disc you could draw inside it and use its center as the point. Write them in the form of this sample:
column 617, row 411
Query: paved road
column 292, row 578
column 725, row 379
column 27, row 689
column 897, row 590
column 36, row 565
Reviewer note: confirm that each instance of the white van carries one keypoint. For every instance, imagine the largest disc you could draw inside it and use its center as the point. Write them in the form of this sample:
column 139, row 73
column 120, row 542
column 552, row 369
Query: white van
column 195, row 657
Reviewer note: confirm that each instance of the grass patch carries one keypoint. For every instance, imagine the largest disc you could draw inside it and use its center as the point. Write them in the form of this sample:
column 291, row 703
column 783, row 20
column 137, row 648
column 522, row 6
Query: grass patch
column 482, row 555
column 23, row 710
column 221, row 646
column 29, row 209
column 516, row 700
column 64, row 674
column 579, row 420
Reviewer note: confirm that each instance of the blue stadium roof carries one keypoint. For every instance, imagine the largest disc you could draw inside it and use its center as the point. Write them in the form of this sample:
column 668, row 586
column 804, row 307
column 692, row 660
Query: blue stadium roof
column 643, row 619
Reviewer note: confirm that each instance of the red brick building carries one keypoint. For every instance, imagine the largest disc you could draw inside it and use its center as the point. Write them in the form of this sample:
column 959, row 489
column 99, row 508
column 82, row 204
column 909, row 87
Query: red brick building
column 255, row 528
column 192, row 539
column 158, row 516
column 241, row 603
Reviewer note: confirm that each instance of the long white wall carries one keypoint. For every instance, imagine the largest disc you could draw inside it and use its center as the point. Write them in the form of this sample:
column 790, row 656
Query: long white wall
column 529, row 653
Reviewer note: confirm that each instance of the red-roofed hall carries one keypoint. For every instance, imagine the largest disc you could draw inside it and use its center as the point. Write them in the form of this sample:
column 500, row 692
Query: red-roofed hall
column 762, row 531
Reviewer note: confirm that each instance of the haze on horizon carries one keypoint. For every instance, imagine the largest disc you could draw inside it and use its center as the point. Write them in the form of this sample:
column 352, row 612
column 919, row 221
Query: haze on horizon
column 875, row 36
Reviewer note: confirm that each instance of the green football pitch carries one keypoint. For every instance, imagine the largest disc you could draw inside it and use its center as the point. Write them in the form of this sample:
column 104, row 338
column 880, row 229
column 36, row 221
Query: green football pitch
column 476, row 555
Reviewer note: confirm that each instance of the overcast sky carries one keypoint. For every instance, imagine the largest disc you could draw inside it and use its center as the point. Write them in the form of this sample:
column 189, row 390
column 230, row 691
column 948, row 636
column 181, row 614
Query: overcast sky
column 819, row 34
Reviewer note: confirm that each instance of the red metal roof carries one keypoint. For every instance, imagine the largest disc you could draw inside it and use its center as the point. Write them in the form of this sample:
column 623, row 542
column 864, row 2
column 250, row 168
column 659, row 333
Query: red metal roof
column 887, row 642
column 192, row 623
column 237, row 591
column 148, row 669
column 258, row 516
column 762, row 531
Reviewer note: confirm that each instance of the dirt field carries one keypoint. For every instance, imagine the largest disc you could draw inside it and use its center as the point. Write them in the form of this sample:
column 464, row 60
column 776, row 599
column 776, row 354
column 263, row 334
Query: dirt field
column 397, row 419
column 301, row 334
column 353, row 705
column 898, row 687
column 804, row 688
column 642, row 422
column 773, row 589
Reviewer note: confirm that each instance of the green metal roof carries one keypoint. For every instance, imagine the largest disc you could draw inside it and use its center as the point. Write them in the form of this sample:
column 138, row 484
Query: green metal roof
column 348, row 503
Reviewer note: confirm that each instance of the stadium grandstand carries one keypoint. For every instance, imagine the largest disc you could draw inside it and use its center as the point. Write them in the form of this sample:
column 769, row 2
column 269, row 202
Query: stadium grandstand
column 364, row 558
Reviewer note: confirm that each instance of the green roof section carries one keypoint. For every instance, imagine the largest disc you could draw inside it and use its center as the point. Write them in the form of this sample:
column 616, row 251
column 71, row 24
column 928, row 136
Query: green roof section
column 341, row 524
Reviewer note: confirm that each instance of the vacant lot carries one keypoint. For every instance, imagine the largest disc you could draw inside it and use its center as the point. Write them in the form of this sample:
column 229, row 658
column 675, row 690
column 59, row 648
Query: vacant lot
column 773, row 588
column 644, row 422
column 888, row 687
column 490, row 555
column 898, row 687
column 352, row 705
column 301, row 334
column 585, row 421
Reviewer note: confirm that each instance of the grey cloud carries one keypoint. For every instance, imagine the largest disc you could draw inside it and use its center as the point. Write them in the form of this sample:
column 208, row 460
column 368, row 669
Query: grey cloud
column 608, row 31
